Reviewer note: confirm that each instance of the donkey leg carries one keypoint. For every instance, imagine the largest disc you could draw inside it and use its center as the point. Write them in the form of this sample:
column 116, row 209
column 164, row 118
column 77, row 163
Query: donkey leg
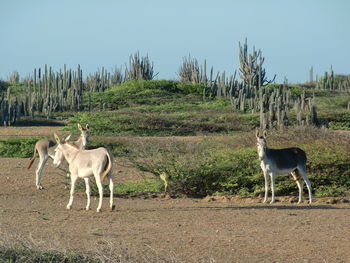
column 39, row 170
column 266, row 186
column 111, row 188
column 299, row 183
column 100, row 191
column 300, row 187
column 87, row 190
column 308, row 184
column 72, row 188
column 272, row 175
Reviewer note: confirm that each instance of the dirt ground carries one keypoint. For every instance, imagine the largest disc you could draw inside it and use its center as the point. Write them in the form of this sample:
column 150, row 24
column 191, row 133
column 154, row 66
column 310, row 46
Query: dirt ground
column 176, row 230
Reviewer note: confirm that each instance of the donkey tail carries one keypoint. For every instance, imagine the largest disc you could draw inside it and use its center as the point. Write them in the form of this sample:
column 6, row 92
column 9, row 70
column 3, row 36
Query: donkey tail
column 108, row 166
column 31, row 160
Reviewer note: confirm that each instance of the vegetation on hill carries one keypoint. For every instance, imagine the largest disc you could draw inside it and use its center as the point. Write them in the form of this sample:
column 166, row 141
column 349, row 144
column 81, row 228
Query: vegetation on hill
column 200, row 103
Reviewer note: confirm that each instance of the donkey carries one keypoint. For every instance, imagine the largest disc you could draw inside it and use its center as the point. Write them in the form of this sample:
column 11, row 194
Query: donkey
column 43, row 148
column 281, row 161
column 83, row 164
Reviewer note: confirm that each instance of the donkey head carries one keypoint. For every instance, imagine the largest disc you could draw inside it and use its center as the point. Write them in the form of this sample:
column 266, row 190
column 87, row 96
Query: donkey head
column 59, row 157
column 84, row 134
column 261, row 141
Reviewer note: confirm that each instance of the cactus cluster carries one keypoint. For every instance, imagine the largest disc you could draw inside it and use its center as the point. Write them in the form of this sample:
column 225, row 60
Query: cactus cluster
column 330, row 81
column 50, row 91
column 99, row 81
column 251, row 94
column 10, row 110
column 327, row 81
column 251, row 68
column 190, row 71
column 140, row 68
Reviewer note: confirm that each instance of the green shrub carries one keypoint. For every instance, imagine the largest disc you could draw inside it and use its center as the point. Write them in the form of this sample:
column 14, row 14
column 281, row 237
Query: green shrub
column 142, row 186
column 118, row 149
column 20, row 148
column 340, row 122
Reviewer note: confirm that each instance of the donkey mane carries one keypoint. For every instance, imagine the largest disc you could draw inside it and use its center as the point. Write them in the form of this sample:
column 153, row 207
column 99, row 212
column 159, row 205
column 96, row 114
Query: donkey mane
column 73, row 144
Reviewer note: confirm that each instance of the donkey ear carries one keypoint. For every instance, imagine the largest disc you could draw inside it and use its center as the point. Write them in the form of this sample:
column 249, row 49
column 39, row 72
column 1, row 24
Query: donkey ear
column 265, row 133
column 58, row 140
column 257, row 133
column 87, row 127
column 67, row 138
column 79, row 126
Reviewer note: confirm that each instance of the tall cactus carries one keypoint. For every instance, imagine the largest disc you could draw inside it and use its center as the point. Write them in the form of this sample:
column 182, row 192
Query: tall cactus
column 251, row 68
column 140, row 68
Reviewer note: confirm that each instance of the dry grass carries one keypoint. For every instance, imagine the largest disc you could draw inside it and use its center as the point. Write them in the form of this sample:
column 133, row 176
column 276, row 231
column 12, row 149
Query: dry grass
column 17, row 248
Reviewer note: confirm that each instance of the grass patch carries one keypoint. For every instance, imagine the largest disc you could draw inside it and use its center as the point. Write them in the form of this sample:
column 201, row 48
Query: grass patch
column 196, row 122
column 143, row 186
column 18, row 255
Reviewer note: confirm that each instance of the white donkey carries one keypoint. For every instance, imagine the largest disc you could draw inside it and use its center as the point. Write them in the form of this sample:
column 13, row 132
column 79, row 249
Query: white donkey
column 43, row 146
column 83, row 164
column 282, row 161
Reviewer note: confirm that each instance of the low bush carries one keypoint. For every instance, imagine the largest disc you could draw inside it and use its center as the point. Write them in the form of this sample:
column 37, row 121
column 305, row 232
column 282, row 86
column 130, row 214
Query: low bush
column 340, row 122
column 17, row 147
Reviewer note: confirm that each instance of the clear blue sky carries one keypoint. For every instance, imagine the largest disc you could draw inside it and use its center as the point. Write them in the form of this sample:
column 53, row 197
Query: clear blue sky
column 292, row 34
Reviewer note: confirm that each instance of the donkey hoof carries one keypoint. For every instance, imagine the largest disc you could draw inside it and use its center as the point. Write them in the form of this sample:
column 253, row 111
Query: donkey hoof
column 98, row 210
column 69, row 207
column 87, row 208
column 272, row 201
column 39, row 187
column 112, row 208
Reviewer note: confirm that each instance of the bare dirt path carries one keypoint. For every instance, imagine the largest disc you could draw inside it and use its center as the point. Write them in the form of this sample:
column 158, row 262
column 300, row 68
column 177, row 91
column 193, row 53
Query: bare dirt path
column 177, row 230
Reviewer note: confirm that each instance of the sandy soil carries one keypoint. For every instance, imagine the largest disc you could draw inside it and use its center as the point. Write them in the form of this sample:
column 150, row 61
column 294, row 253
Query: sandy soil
column 178, row 230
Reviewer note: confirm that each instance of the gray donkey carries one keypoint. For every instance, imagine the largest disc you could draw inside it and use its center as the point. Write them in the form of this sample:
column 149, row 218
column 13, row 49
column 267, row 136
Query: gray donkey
column 282, row 161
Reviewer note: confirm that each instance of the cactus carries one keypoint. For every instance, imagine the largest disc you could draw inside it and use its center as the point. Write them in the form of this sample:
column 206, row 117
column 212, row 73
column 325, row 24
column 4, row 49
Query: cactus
column 311, row 74
column 139, row 68
column 251, row 68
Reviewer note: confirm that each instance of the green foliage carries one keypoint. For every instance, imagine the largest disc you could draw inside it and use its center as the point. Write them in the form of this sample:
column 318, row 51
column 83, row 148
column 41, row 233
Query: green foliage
column 118, row 149
column 167, row 120
column 143, row 186
column 142, row 92
column 340, row 122
column 295, row 90
column 329, row 168
column 18, row 89
column 273, row 86
column 3, row 86
column 203, row 168
column 20, row 148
